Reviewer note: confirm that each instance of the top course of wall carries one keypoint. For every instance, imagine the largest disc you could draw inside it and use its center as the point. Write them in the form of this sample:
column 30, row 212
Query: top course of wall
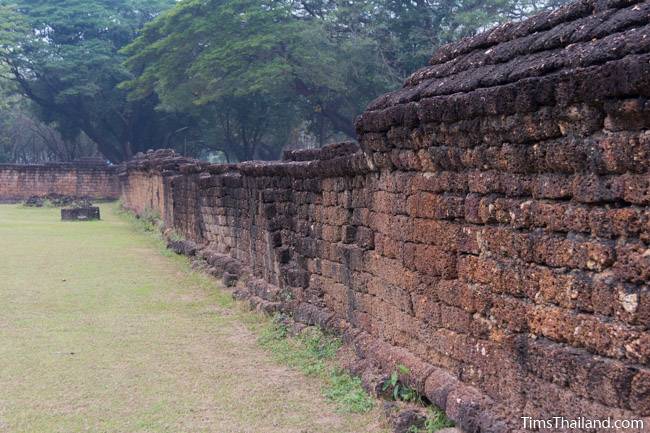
column 561, row 75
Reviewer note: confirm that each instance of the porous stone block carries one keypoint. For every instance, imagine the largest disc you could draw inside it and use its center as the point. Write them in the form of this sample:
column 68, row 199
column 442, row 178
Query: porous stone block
column 80, row 214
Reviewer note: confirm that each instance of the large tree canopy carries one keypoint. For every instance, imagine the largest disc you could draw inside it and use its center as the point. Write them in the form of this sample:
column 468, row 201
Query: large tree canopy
column 257, row 66
column 264, row 67
column 64, row 55
column 244, row 77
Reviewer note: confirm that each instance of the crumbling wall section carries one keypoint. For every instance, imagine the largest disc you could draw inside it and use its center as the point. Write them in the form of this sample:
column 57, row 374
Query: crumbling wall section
column 89, row 179
column 492, row 234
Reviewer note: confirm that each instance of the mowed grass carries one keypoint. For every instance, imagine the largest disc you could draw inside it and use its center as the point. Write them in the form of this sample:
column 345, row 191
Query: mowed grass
column 101, row 330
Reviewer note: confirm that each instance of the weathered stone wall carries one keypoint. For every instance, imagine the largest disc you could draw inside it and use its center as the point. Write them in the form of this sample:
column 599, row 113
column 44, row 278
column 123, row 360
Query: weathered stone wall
column 492, row 235
column 144, row 192
column 80, row 179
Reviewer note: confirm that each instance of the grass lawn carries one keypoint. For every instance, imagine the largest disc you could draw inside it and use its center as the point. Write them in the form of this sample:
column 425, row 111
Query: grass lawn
column 101, row 330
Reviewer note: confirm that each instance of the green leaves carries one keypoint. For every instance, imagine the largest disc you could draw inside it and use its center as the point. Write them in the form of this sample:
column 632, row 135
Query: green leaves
column 237, row 76
column 317, row 61
column 398, row 390
column 212, row 50
column 64, row 54
column 250, row 53
column 313, row 353
column 13, row 29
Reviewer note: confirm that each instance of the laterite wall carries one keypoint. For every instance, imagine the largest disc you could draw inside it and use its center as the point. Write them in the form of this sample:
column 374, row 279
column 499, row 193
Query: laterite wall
column 79, row 179
column 492, row 233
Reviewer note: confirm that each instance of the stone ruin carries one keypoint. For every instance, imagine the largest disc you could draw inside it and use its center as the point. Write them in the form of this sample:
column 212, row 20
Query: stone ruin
column 491, row 233
column 85, row 213
column 58, row 183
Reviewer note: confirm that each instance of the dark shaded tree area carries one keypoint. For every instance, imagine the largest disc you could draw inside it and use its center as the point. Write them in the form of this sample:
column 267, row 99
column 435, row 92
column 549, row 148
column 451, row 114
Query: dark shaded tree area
column 64, row 57
column 238, row 78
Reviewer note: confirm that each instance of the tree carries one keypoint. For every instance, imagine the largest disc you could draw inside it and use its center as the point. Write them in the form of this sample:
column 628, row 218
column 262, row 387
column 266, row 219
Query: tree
column 26, row 139
column 64, row 56
column 235, row 76
column 259, row 68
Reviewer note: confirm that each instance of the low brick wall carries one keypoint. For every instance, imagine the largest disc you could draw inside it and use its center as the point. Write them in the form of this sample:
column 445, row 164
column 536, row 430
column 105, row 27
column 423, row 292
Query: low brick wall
column 492, row 234
column 91, row 180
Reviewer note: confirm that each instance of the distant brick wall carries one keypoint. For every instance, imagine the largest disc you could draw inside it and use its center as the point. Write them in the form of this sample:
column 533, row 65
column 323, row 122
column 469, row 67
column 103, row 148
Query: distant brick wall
column 19, row 182
column 492, row 235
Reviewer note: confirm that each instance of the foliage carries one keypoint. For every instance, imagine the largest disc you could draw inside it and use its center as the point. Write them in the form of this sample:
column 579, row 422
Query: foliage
column 312, row 352
column 26, row 139
column 248, row 65
column 436, row 420
column 175, row 236
column 262, row 68
column 148, row 221
column 348, row 392
column 397, row 389
column 238, row 78
column 63, row 55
